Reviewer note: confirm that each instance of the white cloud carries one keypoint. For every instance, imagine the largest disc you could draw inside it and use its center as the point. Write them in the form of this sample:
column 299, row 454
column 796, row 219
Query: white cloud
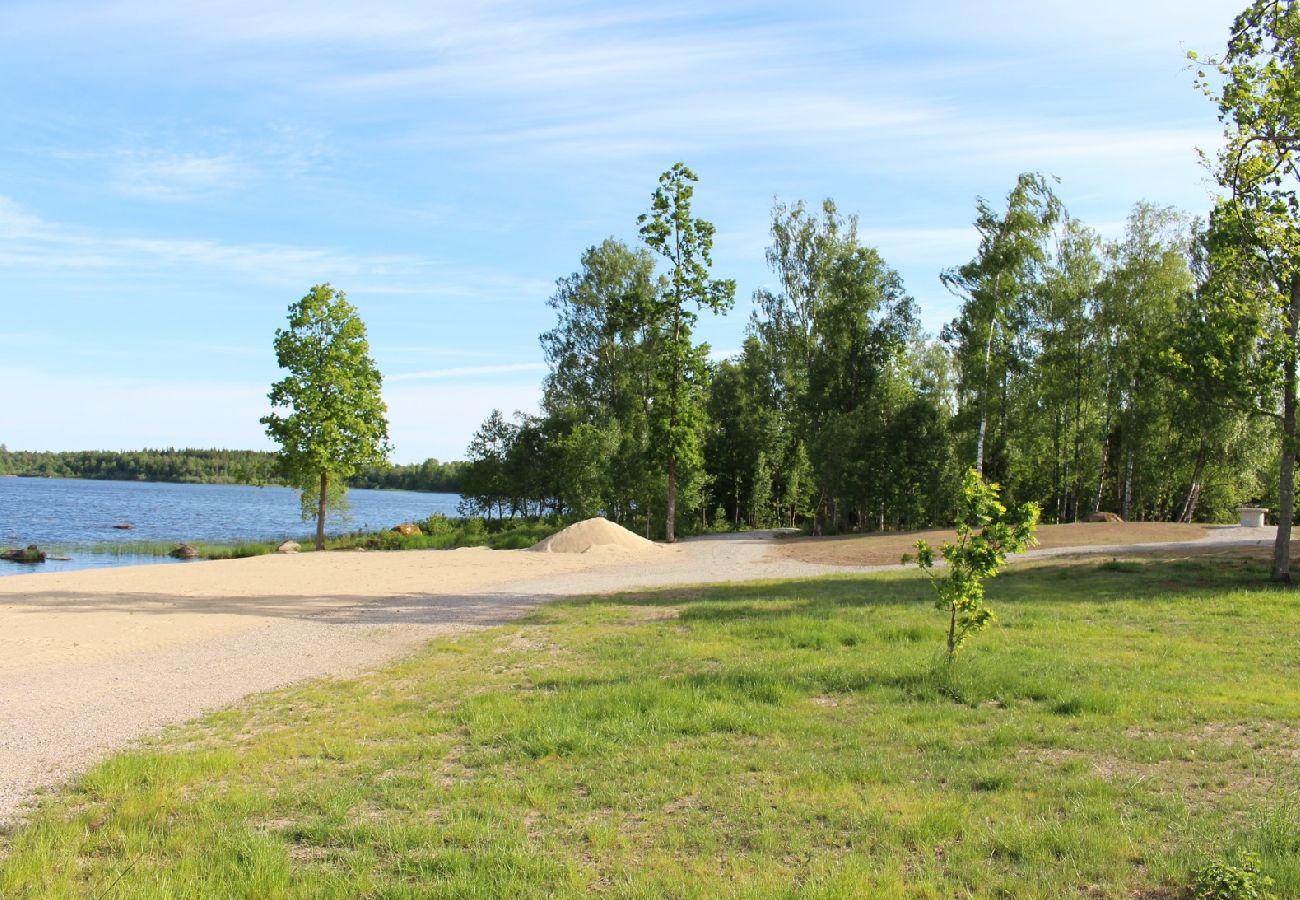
column 176, row 178
column 55, row 251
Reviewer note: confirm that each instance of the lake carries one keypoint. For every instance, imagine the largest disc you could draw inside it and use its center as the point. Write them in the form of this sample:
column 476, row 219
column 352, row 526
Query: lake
column 70, row 515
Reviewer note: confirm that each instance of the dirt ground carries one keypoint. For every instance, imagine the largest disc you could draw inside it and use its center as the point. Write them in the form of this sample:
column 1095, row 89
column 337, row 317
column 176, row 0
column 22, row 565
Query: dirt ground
column 887, row 549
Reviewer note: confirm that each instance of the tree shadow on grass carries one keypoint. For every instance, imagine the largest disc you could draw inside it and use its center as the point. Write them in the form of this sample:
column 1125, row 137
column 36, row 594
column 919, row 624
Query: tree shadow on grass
column 339, row 609
column 1069, row 580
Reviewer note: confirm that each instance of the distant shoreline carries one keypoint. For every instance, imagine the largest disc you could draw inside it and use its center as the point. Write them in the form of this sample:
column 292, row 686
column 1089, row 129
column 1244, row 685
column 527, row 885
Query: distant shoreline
column 194, row 465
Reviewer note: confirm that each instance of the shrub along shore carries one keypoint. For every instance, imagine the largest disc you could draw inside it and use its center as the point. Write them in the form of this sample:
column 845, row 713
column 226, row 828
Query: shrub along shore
column 437, row 532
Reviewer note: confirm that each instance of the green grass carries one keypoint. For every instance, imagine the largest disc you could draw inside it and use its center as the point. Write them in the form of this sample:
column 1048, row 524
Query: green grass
column 206, row 550
column 1121, row 727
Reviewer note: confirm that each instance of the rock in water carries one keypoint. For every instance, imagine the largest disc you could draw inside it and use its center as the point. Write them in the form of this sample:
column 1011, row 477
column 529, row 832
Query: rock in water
column 288, row 547
column 32, row 554
column 124, row 526
column 185, row 551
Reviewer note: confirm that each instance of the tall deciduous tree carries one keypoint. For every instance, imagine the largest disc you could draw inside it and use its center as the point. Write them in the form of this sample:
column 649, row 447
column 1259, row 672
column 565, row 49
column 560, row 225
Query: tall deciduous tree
column 1256, row 229
column 335, row 421
column 1149, row 274
column 996, row 287
column 687, row 243
column 835, row 335
column 601, row 383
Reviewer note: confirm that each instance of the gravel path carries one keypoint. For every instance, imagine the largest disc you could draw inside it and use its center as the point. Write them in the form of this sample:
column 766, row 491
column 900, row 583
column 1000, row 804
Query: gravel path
column 93, row 661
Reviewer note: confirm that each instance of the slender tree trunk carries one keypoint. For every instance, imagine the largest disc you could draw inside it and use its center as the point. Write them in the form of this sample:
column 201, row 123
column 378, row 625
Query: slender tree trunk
column 1188, row 511
column 320, row 511
column 1101, row 474
column 1058, row 478
column 1286, row 479
column 984, row 404
column 1126, row 502
column 952, row 631
column 674, row 387
column 670, row 517
column 1076, row 486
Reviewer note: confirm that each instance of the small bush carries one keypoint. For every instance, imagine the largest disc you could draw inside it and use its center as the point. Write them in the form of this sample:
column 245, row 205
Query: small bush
column 236, row 551
column 439, row 526
column 1227, row 881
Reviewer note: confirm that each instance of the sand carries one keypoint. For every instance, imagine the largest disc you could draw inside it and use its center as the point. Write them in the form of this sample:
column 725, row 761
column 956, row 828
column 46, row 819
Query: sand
column 596, row 534
column 96, row 660
column 91, row 660
column 886, row 549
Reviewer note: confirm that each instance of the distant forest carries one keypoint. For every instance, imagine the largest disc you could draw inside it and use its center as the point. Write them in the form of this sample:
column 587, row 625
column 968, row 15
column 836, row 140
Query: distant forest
column 211, row 466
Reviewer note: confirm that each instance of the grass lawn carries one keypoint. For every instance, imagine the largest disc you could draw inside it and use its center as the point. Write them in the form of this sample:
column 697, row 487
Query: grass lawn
column 1122, row 725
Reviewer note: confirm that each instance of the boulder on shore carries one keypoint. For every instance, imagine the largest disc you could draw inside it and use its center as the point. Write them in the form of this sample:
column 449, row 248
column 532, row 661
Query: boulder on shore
column 288, row 547
column 1103, row 517
column 32, row 554
column 185, row 551
column 406, row 529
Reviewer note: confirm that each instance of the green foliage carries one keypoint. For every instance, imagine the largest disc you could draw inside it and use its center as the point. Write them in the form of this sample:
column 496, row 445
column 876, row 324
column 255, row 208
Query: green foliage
column 1255, row 229
column 184, row 466
column 599, row 389
column 838, row 407
column 826, row 365
column 997, row 289
column 442, row 533
column 485, row 483
column 335, row 422
column 1241, row 880
column 676, row 411
column 986, row 533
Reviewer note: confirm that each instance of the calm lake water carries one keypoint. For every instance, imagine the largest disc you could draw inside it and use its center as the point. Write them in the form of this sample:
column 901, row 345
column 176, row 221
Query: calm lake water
column 70, row 515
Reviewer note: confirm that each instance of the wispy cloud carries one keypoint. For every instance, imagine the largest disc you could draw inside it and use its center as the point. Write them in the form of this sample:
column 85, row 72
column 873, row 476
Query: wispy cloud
column 467, row 372
column 176, row 177
column 46, row 249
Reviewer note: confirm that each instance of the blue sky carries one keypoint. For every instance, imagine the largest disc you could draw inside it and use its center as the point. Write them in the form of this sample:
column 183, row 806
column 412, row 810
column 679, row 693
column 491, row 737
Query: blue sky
column 173, row 176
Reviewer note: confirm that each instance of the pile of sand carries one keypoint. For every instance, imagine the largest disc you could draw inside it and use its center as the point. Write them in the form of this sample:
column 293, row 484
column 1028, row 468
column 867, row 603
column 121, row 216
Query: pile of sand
column 595, row 534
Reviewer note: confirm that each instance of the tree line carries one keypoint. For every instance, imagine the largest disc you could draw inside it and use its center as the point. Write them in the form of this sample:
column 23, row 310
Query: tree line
column 212, row 466
column 1073, row 375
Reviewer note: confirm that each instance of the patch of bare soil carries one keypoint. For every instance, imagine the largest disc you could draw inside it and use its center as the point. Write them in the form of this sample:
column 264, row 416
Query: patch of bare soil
column 886, row 549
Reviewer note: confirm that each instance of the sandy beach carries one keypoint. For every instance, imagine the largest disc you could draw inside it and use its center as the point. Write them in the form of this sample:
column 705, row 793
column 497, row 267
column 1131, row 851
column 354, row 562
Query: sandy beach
column 91, row 661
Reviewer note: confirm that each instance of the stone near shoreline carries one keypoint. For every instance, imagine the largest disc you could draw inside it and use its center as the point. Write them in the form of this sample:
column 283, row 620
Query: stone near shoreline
column 185, row 551
column 32, row 554
column 288, row 547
